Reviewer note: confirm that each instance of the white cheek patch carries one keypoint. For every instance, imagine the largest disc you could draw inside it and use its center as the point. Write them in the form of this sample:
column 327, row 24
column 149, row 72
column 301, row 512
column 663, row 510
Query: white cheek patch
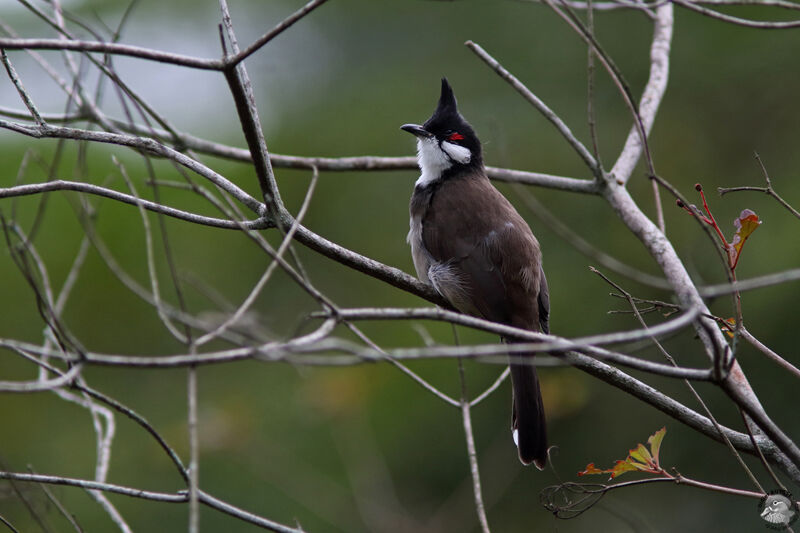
column 459, row 154
column 435, row 159
column 432, row 160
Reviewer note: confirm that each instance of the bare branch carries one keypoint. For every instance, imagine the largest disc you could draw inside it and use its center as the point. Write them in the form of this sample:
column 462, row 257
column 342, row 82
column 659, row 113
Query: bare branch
column 668, row 357
column 111, row 48
column 194, row 450
column 42, row 385
column 243, row 97
column 768, row 190
column 94, row 485
column 651, row 96
column 148, row 145
column 64, row 185
column 472, row 454
column 552, row 342
column 680, row 412
column 274, row 32
column 541, row 212
column 760, row 24
column 164, row 497
column 493, row 387
column 26, row 98
column 786, row 365
column 287, row 240
column 534, row 100
column 151, row 262
column 778, row 278
column 391, row 275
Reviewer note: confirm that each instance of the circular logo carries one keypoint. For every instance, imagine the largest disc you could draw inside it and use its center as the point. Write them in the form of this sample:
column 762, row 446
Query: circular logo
column 778, row 510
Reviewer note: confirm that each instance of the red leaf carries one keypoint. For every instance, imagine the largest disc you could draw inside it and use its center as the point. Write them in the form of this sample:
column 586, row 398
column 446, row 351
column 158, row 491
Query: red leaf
column 746, row 224
column 591, row 469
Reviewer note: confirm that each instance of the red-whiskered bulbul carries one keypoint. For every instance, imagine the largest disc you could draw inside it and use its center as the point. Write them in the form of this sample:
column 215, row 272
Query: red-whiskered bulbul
column 472, row 246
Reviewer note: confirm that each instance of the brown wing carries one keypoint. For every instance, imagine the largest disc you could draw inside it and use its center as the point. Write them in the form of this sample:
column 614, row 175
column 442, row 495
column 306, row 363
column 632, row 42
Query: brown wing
column 487, row 253
column 544, row 303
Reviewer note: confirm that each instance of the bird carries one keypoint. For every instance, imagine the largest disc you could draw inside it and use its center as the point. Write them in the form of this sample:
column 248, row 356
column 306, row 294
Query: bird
column 777, row 509
column 479, row 254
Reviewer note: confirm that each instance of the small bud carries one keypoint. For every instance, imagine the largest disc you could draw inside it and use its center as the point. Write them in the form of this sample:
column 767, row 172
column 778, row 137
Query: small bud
column 679, row 203
column 698, row 187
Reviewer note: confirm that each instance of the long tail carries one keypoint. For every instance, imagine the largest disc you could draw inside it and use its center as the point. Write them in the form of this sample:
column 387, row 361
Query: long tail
column 527, row 419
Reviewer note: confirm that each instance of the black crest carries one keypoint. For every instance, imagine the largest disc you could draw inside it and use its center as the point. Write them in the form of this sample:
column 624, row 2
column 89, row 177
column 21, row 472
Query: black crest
column 447, row 101
column 446, row 119
column 446, row 113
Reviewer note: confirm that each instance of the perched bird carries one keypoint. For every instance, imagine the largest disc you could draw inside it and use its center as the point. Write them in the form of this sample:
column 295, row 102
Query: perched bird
column 777, row 509
column 472, row 246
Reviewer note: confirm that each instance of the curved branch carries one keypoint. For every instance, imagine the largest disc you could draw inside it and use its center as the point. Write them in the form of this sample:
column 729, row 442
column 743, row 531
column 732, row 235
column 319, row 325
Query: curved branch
column 546, row 342
column 166, row 497
column 140, row 143
column 88, row 188
column 391, row 275
column 661, row 249
column 681, row 413
column 710, row 291
column 760, row 24
column 534, row 100
column 351, row 163
column 651, row 96
column 43, row 384
column 274, row 32
column 111, row 48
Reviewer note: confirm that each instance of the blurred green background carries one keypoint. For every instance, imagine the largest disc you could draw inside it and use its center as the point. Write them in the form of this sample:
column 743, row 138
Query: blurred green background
column 365, row 448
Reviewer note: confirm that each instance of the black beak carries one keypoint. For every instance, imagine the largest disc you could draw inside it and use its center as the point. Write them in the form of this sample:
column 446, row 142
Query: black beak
column 417, row 130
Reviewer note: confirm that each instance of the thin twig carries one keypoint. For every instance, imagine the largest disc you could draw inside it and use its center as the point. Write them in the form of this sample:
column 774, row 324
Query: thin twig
column 274, row 32
column 485, row 394
column 251, row 297
column 590, row 114
column 8, row 524
column 760, row 24
column 472, row 454
column 768, row 190
column 194, row 450
column 786, row 365
column 650, row 100
column 60, row 506
column 688, row 384
column 26, row 98
column 242, row 91
column 88, row 188
column 148, row 145
column 613, row 71
column 378, row 351
column 111, row 48
column 538, row 104
column 126, row 411
column 151, row 264
column 540, row 211
column 165, row 497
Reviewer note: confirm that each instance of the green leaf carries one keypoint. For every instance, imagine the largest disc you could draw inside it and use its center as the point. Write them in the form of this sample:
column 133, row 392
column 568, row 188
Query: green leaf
column 639, row 458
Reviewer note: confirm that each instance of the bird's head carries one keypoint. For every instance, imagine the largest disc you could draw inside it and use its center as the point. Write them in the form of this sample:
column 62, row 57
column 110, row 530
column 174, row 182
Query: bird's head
column 446, row 143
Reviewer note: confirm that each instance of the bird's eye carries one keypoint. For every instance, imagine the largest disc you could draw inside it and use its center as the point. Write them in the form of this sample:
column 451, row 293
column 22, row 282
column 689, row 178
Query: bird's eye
column 455, row 136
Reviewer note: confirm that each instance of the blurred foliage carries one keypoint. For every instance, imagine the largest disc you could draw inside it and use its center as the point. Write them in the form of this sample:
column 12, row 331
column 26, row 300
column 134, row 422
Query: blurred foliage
column 365, row 448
